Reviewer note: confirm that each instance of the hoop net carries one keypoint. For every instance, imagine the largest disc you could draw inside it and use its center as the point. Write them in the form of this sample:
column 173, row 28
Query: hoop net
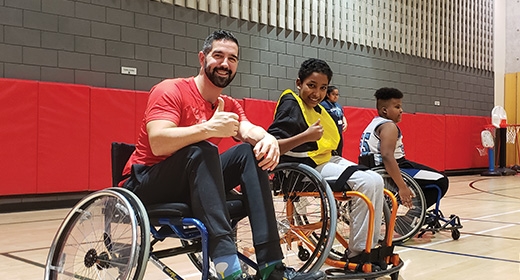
column 482, row 151
column 512, row 133
column 491, row 129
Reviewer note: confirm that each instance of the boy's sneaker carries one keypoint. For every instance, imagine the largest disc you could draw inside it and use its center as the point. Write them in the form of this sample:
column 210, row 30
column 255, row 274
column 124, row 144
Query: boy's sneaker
column 281, row 272
column 246, row 277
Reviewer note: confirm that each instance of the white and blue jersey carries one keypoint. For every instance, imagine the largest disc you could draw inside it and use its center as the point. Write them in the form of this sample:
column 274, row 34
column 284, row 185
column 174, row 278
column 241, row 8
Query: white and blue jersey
column 425, row 176
column 371, row 143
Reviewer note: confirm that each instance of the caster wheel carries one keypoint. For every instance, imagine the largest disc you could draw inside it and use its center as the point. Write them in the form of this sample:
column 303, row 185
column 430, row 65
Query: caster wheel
column 455, row 234
column 394, row 276
column 303, row 254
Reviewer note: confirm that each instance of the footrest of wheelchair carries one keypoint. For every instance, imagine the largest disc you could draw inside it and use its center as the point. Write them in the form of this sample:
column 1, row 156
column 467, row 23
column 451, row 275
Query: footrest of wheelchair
column 451, row 223
column 339, row 273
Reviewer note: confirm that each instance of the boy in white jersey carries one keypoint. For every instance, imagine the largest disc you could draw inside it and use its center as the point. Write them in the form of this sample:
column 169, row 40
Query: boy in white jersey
column 383, row 138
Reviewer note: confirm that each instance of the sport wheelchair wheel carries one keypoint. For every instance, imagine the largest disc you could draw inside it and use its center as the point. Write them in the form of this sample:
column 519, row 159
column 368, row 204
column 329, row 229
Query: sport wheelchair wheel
column 408, row 221
column 105, row 236
column 306, row 213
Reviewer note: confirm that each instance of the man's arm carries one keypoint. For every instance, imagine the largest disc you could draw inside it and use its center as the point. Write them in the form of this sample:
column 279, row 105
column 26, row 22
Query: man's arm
column 388, row 134
column 266, row 147
column 166, row 138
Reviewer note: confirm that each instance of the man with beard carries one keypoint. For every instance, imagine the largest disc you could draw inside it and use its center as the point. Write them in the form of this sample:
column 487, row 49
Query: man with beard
column 177, row 160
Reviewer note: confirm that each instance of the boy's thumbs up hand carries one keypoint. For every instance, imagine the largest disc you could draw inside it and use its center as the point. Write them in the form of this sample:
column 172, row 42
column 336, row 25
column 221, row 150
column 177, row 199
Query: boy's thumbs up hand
column 315, row 131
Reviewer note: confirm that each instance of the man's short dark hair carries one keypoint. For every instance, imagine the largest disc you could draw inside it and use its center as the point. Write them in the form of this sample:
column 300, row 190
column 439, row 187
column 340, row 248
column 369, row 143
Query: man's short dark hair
column 312, row 65
column 387, row 93
column 217, row 35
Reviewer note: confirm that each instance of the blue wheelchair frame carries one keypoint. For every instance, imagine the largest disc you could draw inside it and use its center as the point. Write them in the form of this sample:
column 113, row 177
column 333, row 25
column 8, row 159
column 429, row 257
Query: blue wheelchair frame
column 434, row 217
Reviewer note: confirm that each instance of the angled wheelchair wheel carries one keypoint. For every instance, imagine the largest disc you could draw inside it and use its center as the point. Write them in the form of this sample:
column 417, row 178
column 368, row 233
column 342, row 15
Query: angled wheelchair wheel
column 306, row 213
column 408, row 221
column 105, row 236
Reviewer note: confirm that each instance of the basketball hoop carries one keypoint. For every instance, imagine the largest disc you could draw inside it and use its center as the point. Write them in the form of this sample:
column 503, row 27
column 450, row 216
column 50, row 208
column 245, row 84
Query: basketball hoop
column 482, row 151
column 512, row 138
column 499, row 121
column 512, row 133
column 499, row 117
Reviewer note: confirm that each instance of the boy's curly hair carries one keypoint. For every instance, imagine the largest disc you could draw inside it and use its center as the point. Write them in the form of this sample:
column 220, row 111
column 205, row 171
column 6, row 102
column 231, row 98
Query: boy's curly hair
column 314, row 65
column 387, row 93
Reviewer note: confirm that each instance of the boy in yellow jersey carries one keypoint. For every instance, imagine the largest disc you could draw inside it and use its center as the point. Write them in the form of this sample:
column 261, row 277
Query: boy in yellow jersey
column 306, row 133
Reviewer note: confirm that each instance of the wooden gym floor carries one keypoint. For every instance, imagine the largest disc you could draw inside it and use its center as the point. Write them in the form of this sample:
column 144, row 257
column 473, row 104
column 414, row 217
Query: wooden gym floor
column 489, row 246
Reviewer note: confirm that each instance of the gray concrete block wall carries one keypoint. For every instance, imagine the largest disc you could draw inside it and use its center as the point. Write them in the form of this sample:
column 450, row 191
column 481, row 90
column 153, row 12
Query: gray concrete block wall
column 87, row 42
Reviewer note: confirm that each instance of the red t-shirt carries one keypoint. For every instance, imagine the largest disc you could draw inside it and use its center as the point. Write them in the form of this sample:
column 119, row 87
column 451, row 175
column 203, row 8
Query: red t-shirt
column 178, row 101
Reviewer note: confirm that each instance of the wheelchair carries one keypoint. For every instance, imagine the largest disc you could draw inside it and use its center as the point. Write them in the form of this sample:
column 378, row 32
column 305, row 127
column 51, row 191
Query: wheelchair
column 418, row 220
column 109, row 234
column 294, row 186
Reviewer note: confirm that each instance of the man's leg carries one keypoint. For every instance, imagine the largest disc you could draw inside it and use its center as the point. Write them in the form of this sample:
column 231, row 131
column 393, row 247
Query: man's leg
column 241, row 168
column 198, row 166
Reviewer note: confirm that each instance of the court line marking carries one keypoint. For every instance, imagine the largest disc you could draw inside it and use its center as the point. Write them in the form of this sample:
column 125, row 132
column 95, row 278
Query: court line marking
column 461, row 254
column 31, row 221
column 425, row 246
column 471, row 185
column 22, row 260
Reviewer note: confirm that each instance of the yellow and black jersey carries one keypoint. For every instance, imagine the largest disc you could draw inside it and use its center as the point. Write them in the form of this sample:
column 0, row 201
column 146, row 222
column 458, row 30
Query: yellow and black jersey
column 292, row 117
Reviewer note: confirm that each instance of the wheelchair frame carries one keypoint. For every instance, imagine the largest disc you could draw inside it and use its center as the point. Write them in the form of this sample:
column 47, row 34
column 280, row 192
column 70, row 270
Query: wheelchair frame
column 315, row 231
column 383, row 256
column 159, row 221
column 418, row 220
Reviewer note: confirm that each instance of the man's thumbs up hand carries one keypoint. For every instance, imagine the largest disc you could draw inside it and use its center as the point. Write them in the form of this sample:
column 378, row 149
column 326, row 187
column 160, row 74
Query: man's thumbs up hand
column 223, row 124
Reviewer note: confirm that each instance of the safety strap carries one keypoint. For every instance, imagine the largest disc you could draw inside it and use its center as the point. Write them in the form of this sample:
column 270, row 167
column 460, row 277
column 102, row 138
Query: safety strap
column 340, row 183
column 375, row 257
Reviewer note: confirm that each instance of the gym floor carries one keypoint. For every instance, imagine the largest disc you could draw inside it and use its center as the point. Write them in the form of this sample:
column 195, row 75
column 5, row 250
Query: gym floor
column 488, row 248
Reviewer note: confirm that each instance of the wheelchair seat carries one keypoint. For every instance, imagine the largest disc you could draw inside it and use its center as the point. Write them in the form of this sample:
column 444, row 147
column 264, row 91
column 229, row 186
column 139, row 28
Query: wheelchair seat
column 120, row 153
column 176, row 211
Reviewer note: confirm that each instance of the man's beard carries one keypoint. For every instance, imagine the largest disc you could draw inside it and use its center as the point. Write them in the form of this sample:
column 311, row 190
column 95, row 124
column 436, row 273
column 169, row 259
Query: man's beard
column 217, row 80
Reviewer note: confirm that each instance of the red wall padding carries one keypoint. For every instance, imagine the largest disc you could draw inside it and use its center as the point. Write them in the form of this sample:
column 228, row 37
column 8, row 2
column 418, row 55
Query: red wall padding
column 112, row 113
column 56, row 137
column 63, row 137
column 260, row 112
column 407, row 127
column 461, row 138
column 429, row 143
column 357, row 120
column 18, row 136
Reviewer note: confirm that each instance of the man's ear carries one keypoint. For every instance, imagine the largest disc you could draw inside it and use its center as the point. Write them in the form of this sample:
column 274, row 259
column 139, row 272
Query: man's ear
column 202, row 57
column 298, row 84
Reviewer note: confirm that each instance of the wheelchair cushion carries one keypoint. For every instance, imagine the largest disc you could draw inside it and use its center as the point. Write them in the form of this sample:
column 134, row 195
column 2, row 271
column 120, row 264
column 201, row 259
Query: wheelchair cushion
column 177, row 211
